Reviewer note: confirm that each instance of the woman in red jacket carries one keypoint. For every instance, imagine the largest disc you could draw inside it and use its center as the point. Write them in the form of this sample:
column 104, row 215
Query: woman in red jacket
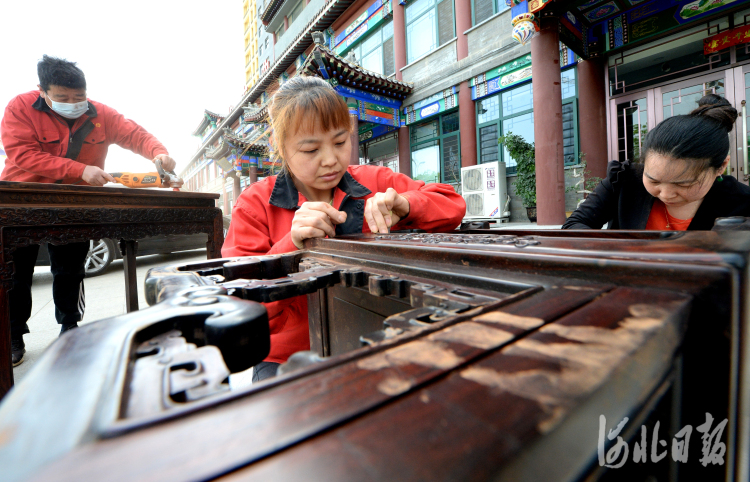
column 319, row 194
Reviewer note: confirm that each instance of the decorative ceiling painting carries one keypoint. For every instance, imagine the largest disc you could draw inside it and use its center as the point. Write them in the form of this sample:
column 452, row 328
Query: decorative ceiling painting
column 593, row 28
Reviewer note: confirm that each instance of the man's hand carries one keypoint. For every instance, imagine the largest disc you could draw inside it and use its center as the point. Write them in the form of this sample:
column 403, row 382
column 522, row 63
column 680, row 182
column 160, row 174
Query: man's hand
column 167, row 163
column 315, row 220
column 96, row 176
column 385, row 209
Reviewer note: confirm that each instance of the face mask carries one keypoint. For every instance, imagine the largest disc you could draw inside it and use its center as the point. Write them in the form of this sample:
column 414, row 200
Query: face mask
column 70, row 111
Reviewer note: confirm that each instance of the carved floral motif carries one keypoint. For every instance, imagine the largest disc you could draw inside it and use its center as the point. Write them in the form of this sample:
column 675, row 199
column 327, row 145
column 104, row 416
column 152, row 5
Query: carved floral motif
column 489, row 239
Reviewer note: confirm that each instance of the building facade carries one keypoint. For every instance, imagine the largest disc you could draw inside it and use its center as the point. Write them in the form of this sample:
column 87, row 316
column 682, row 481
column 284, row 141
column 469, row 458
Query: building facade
column 465, row 81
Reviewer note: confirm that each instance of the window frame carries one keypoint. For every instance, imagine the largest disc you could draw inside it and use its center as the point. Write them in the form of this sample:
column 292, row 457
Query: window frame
column 357, row 47
column 436, row 25
column 294, row 8
column 498, row 6
column 501, row 119
column 439, row 138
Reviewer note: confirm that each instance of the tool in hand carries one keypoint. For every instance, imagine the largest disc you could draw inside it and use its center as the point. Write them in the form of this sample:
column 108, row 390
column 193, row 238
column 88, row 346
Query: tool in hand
column 161, row 178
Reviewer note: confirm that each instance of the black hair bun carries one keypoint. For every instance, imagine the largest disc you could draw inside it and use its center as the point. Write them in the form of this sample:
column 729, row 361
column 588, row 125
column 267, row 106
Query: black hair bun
column 717, row 108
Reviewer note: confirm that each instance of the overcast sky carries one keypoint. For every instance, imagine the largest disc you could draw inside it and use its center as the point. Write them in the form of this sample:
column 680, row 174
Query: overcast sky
column 158, row 62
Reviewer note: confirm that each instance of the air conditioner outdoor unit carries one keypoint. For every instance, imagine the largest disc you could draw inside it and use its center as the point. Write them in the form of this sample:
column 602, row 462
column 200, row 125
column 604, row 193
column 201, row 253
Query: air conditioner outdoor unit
column 484, row 189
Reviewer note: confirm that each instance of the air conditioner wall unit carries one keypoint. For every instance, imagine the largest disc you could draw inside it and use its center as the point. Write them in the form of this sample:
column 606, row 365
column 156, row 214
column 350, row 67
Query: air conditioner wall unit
column 484, row 189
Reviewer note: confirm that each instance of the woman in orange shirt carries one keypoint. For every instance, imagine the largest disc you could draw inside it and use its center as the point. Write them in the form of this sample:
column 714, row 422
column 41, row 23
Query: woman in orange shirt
column 680, row 184
column 319, row 194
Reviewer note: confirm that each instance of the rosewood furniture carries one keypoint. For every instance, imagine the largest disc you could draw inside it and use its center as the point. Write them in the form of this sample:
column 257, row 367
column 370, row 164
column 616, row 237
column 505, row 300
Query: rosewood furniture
column 472, row 356
column 32, row 213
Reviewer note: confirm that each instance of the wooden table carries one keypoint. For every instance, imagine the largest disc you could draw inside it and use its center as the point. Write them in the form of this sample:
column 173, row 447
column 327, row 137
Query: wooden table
column 476, row 356
column 33, row 213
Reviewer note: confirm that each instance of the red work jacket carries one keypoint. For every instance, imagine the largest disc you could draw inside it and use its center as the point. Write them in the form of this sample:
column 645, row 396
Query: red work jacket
column 42, row 147
column 262, row 221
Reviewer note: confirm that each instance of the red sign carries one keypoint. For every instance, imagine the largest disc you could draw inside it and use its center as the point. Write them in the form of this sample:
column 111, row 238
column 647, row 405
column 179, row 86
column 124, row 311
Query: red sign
column 736, row 36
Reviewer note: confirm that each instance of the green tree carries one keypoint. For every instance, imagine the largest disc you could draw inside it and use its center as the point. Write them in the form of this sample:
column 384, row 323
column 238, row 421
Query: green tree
column 523, row 153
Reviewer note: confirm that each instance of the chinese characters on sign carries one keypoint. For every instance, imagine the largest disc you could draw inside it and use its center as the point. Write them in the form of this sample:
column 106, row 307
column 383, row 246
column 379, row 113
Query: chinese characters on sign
column 736, row 36
column 712, row 448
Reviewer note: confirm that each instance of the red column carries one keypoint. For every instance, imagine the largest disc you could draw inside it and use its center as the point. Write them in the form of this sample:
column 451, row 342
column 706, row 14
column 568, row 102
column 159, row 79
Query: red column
column 399, row 37
column 236, row 188
column 225, row 196
column 592, row 116
column 548, row 132
column 468, row 125
column 354, row 159
column 399, row 52
column 404, row 151
column 463, row 23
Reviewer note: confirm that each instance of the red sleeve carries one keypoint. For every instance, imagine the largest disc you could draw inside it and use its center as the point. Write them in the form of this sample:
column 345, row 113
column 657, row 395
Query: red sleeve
column 23, row 148
column 432, row 207
column 249, row 231
column 126, row 133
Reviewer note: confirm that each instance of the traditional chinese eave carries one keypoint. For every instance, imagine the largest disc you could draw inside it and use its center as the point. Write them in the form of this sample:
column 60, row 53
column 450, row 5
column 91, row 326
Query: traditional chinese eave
column 322, row 20
column 271, row 10
column 324, row 63
column 208, row 119
column 258, row 115
column 255, row 144
column 220, row 150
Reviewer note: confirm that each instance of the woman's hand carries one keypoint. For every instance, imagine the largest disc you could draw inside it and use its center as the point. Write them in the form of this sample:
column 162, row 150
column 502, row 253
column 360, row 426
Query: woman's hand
column 315, row 220
column 385, row 209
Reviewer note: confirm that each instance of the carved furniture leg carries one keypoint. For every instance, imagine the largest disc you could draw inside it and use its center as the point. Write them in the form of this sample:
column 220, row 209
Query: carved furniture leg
column 128, row 248
column 6, row 367
column 216, row 238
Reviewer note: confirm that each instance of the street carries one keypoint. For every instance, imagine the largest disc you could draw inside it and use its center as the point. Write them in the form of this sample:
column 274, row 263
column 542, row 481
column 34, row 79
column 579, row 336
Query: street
column 105, row 298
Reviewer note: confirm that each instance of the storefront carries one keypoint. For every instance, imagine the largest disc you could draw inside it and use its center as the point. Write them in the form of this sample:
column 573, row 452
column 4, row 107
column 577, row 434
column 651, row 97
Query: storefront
column 661, row 79
column 643, row 61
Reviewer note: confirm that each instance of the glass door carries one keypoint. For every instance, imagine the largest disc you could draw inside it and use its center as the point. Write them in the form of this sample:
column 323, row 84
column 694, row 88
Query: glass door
column 632, row 116
column 682, row 97
column 742, row 128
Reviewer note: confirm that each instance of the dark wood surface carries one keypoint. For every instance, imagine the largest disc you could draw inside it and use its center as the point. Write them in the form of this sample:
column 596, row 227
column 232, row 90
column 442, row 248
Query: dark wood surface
column 508, row 349
column 31, row 213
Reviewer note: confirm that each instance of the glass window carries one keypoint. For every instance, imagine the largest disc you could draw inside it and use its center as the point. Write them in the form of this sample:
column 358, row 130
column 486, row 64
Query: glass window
column 451, row 159
column 450, row 123
column 279, row 32
column 428, row 25
column 387, row 30
column 488, row 147
column 518, row 99
column 421, row 36
column 484, row 9
column 488, row 109
column 425, row 162
column 415, row 9
column 435, row 147
column 375, row 52
column 373, row 61
column 522, row 125
column 568, row 85
column 372, row 42
column 424, row 131
column 570, row 156
column 294, row 14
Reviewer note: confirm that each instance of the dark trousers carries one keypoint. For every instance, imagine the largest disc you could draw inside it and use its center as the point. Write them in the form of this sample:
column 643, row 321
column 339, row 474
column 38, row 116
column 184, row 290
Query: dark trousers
column 264, row 370
column 68, row 269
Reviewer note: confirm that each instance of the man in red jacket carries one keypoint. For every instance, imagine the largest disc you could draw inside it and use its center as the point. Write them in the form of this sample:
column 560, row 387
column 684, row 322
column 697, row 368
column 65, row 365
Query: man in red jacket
column 56, row 135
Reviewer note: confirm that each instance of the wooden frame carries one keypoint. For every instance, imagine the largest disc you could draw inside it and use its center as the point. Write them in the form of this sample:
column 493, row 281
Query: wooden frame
column 32, row 213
